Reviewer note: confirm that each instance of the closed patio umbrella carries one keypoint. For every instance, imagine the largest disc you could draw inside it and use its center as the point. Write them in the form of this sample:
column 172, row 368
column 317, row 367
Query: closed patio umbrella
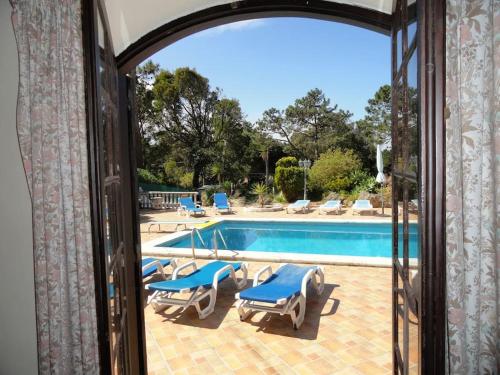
column 380, row 175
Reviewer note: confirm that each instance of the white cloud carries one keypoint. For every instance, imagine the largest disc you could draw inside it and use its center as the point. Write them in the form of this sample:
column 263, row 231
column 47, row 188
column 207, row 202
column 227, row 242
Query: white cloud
column 233, row 26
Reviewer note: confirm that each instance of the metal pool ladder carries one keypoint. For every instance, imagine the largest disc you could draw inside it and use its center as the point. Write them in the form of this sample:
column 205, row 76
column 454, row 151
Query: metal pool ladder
column 216, row 233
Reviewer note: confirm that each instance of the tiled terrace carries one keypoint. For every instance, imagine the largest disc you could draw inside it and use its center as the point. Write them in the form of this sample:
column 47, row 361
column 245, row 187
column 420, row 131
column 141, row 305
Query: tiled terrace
column 347, row 330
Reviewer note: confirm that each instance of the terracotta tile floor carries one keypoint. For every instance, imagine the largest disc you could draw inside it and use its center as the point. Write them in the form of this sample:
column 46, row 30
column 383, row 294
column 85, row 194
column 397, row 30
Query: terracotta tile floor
column 347, row 330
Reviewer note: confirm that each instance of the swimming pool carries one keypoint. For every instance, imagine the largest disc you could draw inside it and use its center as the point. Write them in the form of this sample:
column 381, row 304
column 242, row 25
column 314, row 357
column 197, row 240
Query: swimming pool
column 343, row 238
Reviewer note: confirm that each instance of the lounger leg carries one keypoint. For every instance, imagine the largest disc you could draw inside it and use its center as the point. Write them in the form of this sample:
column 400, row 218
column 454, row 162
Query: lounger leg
column 211, row 305
column 243, row 282
column 157, row 306
column 241, row 310
column 298, row 319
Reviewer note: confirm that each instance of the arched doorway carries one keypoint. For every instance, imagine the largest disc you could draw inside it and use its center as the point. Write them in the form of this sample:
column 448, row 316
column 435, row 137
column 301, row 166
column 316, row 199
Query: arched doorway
column 114, row 174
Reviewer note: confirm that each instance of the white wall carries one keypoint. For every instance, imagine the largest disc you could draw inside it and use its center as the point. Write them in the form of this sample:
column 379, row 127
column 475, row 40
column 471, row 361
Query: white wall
column 18, row 353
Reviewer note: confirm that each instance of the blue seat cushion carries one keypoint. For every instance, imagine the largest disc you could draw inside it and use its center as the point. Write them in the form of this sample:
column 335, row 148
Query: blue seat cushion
column 151, row 270
column 203, row 276
column 220, row 200
column 285, row 283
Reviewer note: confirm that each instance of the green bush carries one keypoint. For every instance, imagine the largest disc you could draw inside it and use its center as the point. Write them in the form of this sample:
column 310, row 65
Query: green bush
column 333, row 171
column 186, row 180
column 287, row 162
column 147, row 177
column 362, row 181
column 289, row 178
column 279, row 198
column 207, row 196
column 226, row 187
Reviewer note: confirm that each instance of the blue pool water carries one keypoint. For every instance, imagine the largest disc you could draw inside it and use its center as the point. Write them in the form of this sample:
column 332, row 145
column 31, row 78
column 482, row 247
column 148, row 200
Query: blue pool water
column 355, row 239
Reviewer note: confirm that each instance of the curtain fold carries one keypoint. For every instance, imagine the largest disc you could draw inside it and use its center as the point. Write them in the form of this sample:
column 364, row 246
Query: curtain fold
column 51, row 125
column 473, row 185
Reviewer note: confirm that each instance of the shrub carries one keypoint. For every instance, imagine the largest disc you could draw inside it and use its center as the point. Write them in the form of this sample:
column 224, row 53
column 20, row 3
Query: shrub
column 207, row 195
column 186, row 180
column 260, row 190
column 333, row 170
column 289, row 178
column 362, row 181
column 280, row 198
column 147, row 177
column 287, row 162
column 226, row 187
column 173, row 173
column 350, row 198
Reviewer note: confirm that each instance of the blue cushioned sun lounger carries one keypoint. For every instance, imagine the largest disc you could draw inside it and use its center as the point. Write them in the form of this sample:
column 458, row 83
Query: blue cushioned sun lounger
column 329, row 206
column 152, row 265
column 187, row 205
column 221, row 203
column 362, row 205
column 281, row 292
column 301, row 205
column 201, row 283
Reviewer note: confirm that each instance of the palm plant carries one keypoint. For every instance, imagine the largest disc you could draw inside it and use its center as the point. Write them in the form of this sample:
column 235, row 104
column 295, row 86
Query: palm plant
column 260, row 189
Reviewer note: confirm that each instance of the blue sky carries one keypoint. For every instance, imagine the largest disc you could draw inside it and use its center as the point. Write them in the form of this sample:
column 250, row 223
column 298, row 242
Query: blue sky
column 271, row 62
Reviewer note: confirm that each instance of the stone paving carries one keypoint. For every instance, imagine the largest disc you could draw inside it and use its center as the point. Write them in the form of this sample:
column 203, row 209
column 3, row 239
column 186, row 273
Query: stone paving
column 347, row 330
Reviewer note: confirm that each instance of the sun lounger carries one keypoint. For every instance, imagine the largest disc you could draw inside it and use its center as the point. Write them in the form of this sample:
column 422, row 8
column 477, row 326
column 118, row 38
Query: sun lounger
column 187, row 206
column 362, row 205
column 200, row 284
column 176, row 222
column 150, row 266
column 300, row 205
column 331, row 206
column 281, row 292
column 221, row 203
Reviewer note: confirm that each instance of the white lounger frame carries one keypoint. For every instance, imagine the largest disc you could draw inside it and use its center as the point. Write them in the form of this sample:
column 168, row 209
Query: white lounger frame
column 184, row 210
column 159, row 268
column 176, row 222
column 160, row 300
column 219, row 211
column 358, row 211
column 284, row 306
column 326, row 210
column 303, row 209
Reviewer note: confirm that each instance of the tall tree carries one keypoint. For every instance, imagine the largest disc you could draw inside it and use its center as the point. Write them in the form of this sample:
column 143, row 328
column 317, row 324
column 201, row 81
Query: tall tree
column 231, row 153
column 144, row 77
column 311, row 118
column 306, row 125
column 186, row 104
column 376, row 126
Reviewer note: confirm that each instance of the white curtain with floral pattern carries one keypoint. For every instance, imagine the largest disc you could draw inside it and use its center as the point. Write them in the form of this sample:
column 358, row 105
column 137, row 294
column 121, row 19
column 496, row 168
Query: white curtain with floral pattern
column 473, row 185
column 51, row 125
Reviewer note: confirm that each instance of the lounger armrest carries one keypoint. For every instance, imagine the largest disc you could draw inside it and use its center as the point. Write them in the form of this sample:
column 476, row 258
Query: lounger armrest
column 229, row 267
column 159, row 267
column 173, row 263
column 305, row 281
column 267, row 269
column 184, row 266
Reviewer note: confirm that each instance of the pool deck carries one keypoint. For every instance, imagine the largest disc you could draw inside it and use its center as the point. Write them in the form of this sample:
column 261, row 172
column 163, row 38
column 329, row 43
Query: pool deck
column 347, row 330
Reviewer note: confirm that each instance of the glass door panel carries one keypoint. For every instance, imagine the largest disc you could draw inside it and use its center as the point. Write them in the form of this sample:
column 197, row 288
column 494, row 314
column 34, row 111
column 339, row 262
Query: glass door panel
column 406, row 194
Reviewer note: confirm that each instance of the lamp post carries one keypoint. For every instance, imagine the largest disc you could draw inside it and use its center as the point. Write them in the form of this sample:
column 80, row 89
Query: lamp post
column 306, row 164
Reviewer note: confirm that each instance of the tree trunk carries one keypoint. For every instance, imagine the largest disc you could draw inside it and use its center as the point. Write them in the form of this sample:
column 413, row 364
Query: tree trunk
column 267, row 166
column 196, row 177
